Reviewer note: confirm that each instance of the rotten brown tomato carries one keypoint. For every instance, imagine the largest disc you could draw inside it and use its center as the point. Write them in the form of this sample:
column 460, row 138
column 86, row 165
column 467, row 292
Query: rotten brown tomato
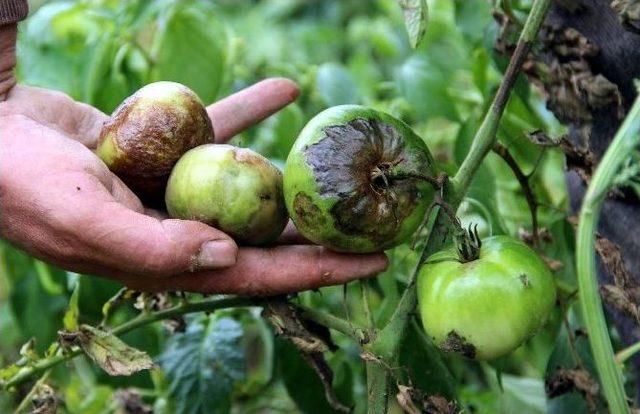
column 149, row 132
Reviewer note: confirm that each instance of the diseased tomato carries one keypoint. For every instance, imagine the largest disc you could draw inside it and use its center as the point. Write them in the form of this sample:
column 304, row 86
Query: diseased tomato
column 232, row 189
column 355, row 180
column 488, row 307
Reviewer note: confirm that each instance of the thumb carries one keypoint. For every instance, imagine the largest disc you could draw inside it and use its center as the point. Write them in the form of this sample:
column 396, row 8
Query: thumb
column 197, row 245
column 181, row 245
column 130, row 242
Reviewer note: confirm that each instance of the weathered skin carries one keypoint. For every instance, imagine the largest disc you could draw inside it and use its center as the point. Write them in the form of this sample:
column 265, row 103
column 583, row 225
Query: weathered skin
column 349, row 181
column 149, row 132
column 233, row 189
column 488, row 307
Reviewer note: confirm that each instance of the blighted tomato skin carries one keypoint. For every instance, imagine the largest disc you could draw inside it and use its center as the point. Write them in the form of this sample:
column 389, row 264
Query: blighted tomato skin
column 233, row 189
column 491, row 305
column 314, row 213
column 149, row 132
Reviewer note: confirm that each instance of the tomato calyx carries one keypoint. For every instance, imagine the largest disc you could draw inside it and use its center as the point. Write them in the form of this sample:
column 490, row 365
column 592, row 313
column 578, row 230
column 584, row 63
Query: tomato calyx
column 468, row 244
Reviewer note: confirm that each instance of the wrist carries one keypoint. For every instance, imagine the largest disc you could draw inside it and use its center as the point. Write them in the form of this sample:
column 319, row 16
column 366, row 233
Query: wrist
column 8, row 35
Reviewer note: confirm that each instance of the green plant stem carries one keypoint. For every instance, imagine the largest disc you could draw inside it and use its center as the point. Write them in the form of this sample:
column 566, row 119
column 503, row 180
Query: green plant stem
column 377, row 387
column 364, row 288
column 628, row 352
column 333, row 322
column 621, row 147
column 206, row 305
column 27, row 398
column 388, row 341
column 523, row 180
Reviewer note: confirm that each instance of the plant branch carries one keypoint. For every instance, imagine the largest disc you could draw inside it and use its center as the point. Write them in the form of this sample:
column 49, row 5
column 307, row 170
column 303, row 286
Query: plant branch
column 621, row 147
column 332, row 322
column 364, row 289
column 207, row 305
column 504, row 153
column 143, row 319
column 485, row 138
column 390, row 337
column 628, row 352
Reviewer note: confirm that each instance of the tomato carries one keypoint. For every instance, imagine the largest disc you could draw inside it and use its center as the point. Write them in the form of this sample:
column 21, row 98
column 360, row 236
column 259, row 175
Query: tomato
column 354, row 180
column 488, row 307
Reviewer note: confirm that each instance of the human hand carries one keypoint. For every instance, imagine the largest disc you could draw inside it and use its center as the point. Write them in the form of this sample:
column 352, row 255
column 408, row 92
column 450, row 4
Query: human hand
column 60, row 203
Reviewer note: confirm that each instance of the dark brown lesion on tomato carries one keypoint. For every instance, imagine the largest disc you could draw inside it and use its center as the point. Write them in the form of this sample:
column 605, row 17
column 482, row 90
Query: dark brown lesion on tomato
column 459, row 345
column 309, row 215
column 355, row 162
column 525, row 280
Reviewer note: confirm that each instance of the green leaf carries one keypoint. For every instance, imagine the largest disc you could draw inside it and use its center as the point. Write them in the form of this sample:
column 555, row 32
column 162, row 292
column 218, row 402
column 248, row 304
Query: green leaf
column 335, row 85
column 29, row 301
column 111, row 353
column 424, row 85
column 70, row 319
column 302, row 382
column 46, row 278
column 190, row 47
column 423, row 364
column 257, row 342
column 204, row 364
column 523, row 395
column 415, row 19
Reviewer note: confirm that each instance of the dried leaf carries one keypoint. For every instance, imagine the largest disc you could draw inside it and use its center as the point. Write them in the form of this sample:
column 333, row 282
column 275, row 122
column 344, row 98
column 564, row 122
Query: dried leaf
column 436, row 404
column 628, row 13
column 44, row 401
column 416, row 15
column 619, row 299
column 130, row 402
column 108, row 351
column 310, row 339
column 612, row 259
column 405, row 399
column 563, row 381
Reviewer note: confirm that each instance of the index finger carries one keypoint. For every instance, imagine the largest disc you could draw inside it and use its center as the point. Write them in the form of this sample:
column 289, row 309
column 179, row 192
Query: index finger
column 246, row 108
column 274, row 271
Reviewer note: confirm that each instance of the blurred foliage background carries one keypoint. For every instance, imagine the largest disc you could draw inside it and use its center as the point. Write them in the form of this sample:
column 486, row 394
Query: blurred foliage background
column 338, row 51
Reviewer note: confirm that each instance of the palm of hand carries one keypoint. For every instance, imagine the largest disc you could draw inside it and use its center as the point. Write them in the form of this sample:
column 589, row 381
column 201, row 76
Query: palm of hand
column 59, row 202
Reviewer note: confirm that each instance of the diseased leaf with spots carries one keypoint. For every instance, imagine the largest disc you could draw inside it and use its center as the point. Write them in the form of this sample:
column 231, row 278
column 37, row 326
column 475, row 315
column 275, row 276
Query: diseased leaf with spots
column 415, row 19
column 111, row 353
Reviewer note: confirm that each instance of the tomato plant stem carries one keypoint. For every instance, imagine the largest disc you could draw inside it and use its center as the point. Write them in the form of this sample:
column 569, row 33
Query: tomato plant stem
column 364, row 288
column 388, row 341
column 377, row 388
column 621, row 147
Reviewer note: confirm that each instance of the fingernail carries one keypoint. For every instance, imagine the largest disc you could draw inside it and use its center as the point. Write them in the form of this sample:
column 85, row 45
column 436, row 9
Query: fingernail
column 215, row 254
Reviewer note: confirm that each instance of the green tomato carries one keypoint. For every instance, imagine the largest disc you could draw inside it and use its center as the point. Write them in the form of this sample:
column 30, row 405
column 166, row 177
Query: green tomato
column 488, row 307
column 233, row 189
column 352, row 180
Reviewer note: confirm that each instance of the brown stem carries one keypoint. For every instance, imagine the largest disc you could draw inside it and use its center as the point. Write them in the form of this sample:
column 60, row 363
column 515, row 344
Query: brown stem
column 503, row 152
